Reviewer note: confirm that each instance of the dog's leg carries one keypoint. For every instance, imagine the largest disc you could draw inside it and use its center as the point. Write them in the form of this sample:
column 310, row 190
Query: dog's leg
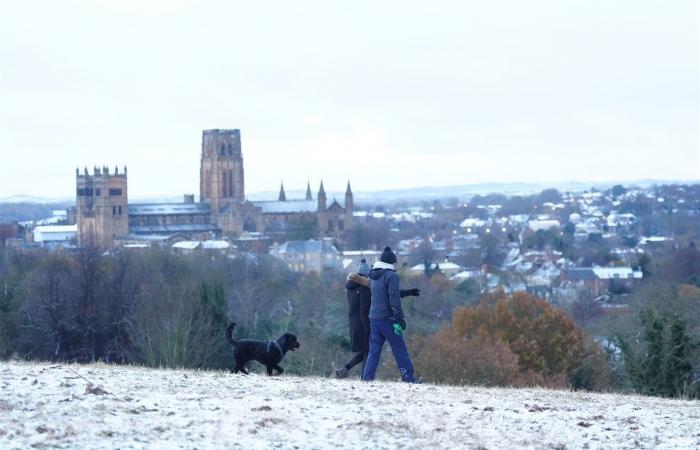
column 269, row 371
column 280, row 370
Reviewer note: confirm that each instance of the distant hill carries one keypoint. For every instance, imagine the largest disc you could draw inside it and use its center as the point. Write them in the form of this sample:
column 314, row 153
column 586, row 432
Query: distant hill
column 103, row 406
column 466, row 191
column 25, row 211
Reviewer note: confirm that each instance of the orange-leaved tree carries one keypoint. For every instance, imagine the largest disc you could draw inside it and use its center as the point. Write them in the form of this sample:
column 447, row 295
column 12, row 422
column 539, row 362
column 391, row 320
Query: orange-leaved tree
column 550, row 350
column 545, row 338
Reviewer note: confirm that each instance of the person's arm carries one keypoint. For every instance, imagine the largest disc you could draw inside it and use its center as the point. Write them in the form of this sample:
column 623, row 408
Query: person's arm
column 415, row 292
column 395, row 297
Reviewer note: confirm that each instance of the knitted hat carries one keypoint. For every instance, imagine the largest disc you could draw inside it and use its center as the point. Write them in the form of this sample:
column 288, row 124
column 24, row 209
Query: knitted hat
column 363, row 267
column 388, row 256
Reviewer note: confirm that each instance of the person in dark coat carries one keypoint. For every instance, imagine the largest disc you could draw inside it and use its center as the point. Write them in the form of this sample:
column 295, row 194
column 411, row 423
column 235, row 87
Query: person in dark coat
column 386, row 318
column 359, row 296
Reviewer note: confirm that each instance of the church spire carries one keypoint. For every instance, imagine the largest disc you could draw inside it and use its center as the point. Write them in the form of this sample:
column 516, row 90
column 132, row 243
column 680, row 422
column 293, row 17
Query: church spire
column 282, row 197
column 321, row 200
column 348, row 191
column 308, row 191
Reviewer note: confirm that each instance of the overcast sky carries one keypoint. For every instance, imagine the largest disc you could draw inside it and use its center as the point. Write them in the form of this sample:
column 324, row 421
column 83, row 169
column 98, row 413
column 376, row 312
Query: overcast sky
column 386, row 94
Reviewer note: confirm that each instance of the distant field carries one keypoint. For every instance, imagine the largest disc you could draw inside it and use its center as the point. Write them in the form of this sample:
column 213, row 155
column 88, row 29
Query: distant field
column 53, row 406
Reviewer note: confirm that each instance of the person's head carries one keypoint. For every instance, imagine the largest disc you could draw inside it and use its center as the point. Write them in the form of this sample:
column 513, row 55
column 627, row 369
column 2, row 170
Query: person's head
column 363, row 267
column 388, row 256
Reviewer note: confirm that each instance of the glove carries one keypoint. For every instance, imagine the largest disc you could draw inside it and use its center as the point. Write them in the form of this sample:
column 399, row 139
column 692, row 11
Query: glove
column 399, row 327
column 415, row 292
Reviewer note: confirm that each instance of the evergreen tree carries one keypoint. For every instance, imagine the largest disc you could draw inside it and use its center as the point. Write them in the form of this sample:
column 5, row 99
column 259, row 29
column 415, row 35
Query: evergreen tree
column 663, row 365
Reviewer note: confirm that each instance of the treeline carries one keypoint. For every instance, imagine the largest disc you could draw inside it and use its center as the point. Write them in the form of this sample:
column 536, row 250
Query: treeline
column 158, row 309
column 163, row 310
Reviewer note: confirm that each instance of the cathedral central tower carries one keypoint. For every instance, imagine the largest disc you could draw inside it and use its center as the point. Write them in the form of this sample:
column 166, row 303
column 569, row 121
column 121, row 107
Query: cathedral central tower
column 221, row 169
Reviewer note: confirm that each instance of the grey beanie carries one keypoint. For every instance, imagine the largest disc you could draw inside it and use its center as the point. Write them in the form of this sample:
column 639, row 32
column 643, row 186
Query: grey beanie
column 363, row 267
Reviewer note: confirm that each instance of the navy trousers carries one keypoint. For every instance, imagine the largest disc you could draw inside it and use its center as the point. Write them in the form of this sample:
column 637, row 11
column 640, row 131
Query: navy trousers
column 383, row 330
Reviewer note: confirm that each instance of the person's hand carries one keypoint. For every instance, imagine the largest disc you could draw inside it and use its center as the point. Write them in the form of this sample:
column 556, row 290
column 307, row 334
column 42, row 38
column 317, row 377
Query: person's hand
column 399, row 327
column 415, row 292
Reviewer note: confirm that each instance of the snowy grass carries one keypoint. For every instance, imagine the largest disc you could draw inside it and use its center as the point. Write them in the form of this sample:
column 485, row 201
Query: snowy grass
column 53, row 406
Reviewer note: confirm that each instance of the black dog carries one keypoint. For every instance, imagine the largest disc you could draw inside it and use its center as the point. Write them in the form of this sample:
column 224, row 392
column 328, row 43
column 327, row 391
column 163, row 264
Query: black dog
column 268, row 353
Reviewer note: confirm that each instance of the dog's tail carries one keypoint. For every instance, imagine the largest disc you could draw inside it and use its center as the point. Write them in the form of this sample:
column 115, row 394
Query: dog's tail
column 229, row 333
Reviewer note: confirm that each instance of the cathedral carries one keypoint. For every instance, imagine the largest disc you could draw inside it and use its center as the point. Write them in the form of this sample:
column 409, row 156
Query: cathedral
column 105, row 217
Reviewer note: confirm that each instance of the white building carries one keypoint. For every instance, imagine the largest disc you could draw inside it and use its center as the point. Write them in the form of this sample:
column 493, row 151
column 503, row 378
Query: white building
column 307, row 256
column 55, row 235
column 448, row 268
column 544, row 224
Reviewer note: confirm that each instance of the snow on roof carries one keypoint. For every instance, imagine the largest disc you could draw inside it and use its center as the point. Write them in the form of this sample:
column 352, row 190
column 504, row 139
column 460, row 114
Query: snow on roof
column 653, row 239
column 207, row 245
column 472, row 222
column 57, row 228
column 289, row 206
column 156, row 209
column 433, row 266
column 172, row 228
column 361, row 252
column 215, row 245
column 608, row 273
column 149, row 237
column 55, row 233
column 604, row 273
column 518, row 218
column 536, row 225
column 463, row 275
column 186, row 245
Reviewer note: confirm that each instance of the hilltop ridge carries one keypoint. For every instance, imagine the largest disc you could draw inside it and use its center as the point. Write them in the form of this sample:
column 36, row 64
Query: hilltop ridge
column 53, row 405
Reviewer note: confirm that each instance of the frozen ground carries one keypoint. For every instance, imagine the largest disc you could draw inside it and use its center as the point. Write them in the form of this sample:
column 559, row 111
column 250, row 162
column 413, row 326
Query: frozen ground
column 50, row 405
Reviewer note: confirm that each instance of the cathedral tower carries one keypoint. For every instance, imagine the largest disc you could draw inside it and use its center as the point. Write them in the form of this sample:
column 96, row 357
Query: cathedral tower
column 221, row 169
column 101, row 206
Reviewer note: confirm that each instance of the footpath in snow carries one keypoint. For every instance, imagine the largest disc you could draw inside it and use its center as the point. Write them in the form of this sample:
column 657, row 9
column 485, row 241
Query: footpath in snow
column 53, row 406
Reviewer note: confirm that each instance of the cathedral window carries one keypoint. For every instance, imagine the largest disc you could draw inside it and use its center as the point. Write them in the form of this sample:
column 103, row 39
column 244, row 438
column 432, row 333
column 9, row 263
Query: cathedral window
column 222, row 150
column 114, row 210
column 120, row 210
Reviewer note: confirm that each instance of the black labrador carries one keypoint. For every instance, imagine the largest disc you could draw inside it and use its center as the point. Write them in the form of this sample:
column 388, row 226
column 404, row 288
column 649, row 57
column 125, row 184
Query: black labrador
column 268, row 353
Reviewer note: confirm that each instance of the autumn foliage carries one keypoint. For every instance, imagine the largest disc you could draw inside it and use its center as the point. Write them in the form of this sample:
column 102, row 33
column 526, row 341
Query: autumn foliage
column 513, row 339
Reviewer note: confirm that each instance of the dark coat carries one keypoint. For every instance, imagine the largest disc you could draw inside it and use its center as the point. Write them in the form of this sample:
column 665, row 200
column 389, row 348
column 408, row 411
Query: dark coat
column 359, row 296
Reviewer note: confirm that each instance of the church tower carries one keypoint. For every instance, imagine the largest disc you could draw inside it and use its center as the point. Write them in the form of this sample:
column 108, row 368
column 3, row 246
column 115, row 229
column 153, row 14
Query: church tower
column 101, row 206
column 221, row 169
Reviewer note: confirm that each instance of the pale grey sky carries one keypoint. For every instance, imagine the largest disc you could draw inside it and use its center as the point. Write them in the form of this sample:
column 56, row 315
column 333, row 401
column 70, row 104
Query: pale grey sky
column 388, row 94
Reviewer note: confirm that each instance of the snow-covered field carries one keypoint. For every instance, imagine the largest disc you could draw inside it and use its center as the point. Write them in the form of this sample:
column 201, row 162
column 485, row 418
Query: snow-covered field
column 52, row 405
